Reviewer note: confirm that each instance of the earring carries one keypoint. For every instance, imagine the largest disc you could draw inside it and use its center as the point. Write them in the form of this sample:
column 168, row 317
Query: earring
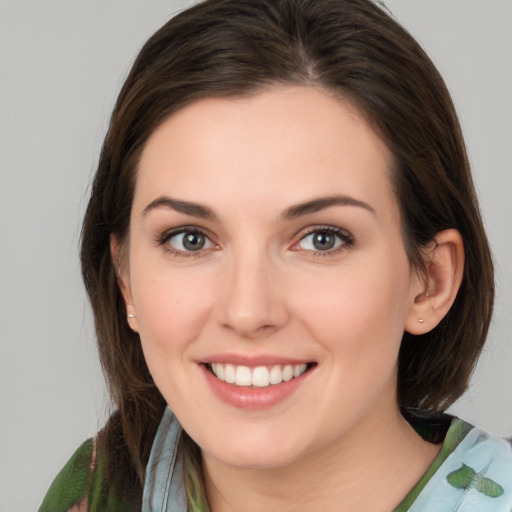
column 420, row 320
column 131, row 317
column 130, row 311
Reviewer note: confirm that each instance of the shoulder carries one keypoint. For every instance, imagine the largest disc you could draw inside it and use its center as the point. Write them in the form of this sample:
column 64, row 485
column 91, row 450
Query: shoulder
column 473, row 471
column 81, row 486
column 479, row 447
column 478, row 469
column 489, row 454
column 69, row 488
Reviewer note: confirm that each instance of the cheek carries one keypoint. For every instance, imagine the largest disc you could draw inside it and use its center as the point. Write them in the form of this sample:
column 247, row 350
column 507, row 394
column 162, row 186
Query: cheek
column 357, row 311
column 172, row 309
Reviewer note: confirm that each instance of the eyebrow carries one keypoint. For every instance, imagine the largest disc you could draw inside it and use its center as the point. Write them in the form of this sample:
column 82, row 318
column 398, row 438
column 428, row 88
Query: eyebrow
column 316, row 205
column 186, row 207
column 293, row 212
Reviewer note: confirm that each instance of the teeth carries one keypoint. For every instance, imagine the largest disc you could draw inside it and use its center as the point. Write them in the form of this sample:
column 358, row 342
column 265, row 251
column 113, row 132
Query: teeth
column 298, row 370
column 260, row 376
column 276, row 375
column 288, row 373
column 243, row 376
column 229, row 373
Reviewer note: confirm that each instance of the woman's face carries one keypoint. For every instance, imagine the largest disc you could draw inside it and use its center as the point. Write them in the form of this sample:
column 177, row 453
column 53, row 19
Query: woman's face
column 265, row 247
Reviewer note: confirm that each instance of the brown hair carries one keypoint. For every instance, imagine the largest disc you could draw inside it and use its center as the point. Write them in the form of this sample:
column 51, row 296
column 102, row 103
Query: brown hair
column 235, row 47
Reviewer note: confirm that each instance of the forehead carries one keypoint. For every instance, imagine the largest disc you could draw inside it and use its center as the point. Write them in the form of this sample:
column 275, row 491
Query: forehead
column 284, row 144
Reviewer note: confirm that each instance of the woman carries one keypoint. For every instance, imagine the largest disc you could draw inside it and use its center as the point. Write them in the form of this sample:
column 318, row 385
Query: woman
column 283, row 247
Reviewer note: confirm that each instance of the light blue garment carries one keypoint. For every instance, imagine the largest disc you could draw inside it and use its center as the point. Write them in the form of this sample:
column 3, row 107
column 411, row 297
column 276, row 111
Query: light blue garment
column 164, row 490
column 475, row 477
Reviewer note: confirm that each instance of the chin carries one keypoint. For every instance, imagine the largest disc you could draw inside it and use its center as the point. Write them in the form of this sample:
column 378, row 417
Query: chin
column 271, row 453
column 256, row 460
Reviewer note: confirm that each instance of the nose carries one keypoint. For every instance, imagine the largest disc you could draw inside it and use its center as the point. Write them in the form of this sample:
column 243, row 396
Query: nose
column 253, row 299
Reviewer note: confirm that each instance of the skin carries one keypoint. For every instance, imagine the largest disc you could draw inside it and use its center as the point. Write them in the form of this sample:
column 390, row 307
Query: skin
column 259, row 287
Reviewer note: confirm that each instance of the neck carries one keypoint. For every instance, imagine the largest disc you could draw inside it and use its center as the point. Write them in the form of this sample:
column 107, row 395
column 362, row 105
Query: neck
column 387, row 458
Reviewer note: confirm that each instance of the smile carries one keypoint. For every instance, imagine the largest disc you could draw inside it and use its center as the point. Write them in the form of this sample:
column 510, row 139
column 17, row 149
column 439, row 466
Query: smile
column 259, row 376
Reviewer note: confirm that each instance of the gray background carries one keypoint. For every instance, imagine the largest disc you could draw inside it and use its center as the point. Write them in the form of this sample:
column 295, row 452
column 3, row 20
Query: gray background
column 61, row 65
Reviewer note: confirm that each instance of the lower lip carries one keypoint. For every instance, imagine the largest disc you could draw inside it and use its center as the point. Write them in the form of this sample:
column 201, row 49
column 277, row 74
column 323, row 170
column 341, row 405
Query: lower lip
column 253, row 398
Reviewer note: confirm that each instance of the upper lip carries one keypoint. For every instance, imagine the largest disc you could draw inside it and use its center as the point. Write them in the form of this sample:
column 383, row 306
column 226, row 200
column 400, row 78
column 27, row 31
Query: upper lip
column 254, row 360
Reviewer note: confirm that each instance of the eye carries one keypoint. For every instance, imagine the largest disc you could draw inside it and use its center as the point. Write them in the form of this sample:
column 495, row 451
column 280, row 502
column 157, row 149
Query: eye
column 187, row 241
column 325, row 240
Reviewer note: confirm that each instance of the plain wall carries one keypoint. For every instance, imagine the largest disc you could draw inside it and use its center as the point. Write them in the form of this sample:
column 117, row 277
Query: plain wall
column 61, row 65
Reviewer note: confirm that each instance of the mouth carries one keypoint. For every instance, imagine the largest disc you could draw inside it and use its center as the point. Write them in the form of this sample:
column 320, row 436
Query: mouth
column 258, row 376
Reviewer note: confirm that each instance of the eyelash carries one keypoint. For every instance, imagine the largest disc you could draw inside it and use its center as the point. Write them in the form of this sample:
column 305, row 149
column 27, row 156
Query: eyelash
column 345, row 238
column 163, row 240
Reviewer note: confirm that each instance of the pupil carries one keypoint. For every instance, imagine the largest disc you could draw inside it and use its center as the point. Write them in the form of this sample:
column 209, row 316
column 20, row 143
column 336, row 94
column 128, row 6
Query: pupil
column 193, row 241
column 323, row 241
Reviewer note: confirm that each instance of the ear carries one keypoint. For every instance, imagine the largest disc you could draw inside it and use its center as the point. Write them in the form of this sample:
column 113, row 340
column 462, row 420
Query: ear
column 432, row 296
column 123, row 280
